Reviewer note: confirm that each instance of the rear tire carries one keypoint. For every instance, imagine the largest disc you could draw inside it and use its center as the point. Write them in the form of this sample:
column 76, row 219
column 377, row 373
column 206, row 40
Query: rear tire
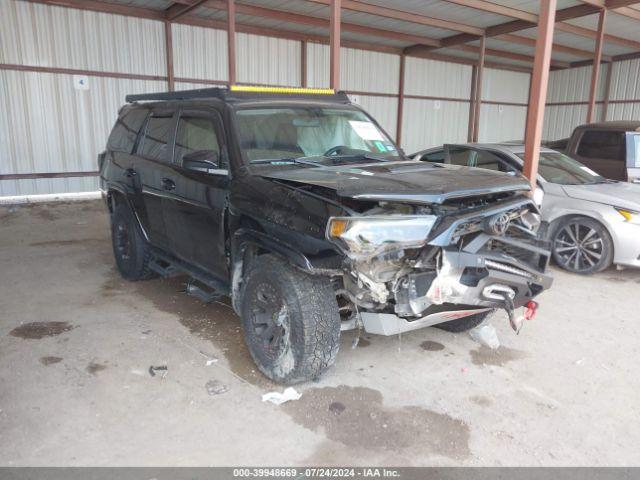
column 130, row 249
column 290, row 320
column 463, row 324
column 582, row 245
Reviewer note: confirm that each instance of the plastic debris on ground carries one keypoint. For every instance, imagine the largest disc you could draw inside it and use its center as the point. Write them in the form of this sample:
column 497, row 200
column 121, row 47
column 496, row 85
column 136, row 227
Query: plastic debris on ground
column 161, row 370
column 278, row 398
column 214, row 387
column 485, row 335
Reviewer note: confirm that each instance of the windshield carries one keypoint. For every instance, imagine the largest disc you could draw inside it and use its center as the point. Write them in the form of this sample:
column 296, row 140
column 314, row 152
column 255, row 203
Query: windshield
column 271, row 134
column 556, row 167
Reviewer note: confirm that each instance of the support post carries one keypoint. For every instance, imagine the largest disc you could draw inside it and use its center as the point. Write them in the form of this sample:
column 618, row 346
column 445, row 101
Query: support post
column 472, row 102
column 538, row 93
column 595, row 69
column 303, row 64
column 478, row 102
column 607, row 92
column 334, row 45
column 168, row 43
column 403, row 59
column 231, row 40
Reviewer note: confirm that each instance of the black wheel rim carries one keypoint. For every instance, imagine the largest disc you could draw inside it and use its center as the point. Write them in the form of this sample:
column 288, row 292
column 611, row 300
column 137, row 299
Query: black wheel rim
column 269, row 319
column 123, row 242
column 578, row 247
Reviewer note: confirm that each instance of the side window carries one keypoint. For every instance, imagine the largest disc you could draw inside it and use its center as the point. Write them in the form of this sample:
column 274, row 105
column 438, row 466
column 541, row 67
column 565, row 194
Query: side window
column 460, row 157
column 196, row 134
column 434, row 157
column 156, row 137
column 478, row 159
column 125, row 131
column 604, row 144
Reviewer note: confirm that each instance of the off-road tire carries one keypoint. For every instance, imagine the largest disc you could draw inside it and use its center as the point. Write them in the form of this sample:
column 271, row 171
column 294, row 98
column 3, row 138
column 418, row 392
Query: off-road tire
column 309, row 344
column 133, row 259
column 604, row 248
column 463, row 324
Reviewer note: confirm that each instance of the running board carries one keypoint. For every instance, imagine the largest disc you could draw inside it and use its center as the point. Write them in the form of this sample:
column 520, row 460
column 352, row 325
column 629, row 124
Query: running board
column 390, row 324
column 177, row 267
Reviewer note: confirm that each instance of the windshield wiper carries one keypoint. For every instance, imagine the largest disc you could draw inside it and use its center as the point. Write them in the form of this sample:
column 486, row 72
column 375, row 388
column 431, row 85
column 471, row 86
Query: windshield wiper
column 359, row 156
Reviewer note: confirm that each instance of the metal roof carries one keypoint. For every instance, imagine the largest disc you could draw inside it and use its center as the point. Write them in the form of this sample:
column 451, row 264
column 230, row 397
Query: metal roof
column 406, row 21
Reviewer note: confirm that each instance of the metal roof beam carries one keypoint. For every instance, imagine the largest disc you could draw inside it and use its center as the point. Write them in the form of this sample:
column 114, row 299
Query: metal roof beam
column 315, row 21
column 412, row 17
column 531, row 42
column 177, row 10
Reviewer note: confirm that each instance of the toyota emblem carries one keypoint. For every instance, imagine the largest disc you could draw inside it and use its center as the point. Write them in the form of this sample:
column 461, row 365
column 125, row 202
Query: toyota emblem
column 498, row 224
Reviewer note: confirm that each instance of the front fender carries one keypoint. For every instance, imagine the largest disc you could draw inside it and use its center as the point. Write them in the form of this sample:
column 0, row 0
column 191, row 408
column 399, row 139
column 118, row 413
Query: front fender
column 244, row 237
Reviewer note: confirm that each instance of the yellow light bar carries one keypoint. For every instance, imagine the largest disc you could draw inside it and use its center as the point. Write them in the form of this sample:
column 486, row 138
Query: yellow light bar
column 311, row 91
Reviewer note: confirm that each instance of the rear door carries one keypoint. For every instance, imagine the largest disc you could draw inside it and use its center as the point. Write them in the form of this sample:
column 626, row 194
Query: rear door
column 194, row 216
column 154, row 172
column 604, row 151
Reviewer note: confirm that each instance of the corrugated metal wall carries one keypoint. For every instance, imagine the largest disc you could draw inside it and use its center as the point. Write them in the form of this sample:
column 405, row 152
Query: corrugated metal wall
column 361, row 71
column 625, row 86
column 504, row 118
column 199, row 53
column 428, row 122
column 572, row 86
column 47, row 125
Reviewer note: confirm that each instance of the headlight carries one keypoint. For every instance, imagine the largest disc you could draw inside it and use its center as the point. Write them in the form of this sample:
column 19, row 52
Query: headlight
column 629, row 215
column 538, row 196
column 373, row 235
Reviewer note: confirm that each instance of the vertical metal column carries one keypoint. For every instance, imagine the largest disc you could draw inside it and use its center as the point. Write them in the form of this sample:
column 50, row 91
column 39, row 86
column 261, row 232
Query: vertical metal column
column 231, row 39
column 478, row 102
column 403, row 59
column 334, row 45
column 595, row 69
column 538, row 94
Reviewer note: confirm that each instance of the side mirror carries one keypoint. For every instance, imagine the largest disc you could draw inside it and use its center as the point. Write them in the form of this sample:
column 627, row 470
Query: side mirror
column 201, row 160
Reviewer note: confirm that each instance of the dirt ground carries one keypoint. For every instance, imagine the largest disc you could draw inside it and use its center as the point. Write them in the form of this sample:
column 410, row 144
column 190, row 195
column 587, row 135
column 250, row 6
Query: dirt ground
column 77, row 343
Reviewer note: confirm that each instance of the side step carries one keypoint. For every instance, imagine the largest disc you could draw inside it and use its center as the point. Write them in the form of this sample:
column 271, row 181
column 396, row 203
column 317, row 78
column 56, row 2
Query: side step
column 165, row 271
column 197, row 291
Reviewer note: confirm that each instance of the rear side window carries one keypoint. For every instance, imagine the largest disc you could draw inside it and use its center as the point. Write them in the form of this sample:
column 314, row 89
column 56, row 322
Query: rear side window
column 195, row 134
column 434, row 157
column 156, row 137
column 124, row 133
column 478, row 159
column 604, row 144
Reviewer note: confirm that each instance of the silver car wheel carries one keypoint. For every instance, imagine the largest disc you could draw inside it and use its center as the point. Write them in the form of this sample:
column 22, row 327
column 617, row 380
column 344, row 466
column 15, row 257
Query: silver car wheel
column 578, row 247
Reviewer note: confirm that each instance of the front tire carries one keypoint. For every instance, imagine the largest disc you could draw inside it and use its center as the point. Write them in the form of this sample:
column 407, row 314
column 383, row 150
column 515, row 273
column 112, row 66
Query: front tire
column 290, row 320
column 130, row 249
column 582, row 245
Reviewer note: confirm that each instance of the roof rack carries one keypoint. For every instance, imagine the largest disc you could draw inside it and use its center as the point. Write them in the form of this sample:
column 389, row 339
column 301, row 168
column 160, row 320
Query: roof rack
column 242, row 92
column 215, row 92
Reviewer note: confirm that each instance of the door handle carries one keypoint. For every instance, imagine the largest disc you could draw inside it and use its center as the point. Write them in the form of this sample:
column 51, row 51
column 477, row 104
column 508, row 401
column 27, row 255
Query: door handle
column 130, row 173
column 168, row 184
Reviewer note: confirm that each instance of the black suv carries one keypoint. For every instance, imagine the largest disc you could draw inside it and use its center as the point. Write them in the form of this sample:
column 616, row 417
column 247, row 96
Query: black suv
column 298, row 206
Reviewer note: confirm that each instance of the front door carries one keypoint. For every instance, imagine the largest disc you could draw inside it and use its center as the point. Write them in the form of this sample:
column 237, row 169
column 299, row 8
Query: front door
column 194, row 214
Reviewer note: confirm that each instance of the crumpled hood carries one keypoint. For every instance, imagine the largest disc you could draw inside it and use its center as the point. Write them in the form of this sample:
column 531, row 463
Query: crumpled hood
column 403, row 181
column 618, row 194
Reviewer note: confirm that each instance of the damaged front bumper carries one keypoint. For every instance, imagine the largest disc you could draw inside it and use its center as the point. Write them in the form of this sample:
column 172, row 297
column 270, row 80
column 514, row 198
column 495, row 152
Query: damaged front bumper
column 467, row 277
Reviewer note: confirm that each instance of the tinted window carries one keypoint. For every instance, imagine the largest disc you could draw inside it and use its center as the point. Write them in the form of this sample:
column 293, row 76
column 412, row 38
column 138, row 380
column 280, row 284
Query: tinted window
column 434, row 157
column 156, row 137
column 195, row 134
column 124, row 133
column 556, row 167
column 473, row 158
column 602, row 144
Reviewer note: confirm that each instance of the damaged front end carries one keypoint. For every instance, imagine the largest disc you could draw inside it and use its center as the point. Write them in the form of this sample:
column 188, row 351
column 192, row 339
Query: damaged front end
column 409, row 267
